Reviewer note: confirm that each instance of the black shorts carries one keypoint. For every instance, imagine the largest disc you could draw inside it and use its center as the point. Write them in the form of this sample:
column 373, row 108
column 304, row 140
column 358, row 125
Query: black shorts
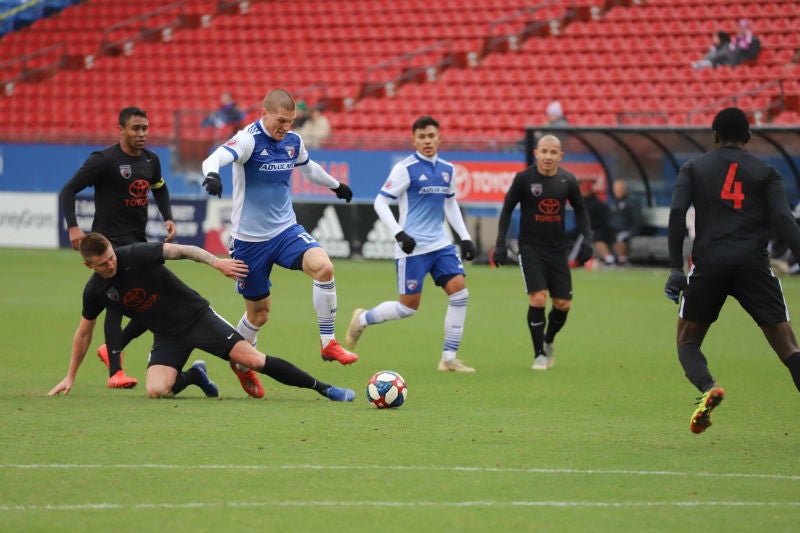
column 756, row 288
column 210, row 333
column 545, row 269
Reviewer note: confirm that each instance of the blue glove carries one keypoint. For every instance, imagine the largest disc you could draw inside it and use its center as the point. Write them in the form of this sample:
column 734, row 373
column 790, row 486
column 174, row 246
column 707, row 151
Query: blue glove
column 213, row 184
column 675, row 284
column 407, row 243
column 468, row 250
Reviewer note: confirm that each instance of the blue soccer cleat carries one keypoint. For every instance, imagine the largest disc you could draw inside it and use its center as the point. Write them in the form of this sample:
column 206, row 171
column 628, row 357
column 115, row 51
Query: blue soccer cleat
column 209, row 387
column 340, row 395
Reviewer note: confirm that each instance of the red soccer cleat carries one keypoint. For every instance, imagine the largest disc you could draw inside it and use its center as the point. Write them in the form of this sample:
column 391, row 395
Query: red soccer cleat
column 335, row 352
column 121, row 381
column 102, row 353
column 249, row 380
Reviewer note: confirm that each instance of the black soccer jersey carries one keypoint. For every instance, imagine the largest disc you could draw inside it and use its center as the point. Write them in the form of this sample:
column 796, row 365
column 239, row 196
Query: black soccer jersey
column 145, row 290
column 542, row 201
column 121, row 185
column 736, row 197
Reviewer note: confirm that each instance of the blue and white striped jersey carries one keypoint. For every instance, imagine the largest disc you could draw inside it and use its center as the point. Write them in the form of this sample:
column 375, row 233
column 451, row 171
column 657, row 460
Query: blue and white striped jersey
column 262, row 171
column 421, row 185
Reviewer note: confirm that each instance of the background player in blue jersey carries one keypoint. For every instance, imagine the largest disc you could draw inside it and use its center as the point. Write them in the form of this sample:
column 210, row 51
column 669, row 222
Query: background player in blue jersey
column 422, row 185
column 264, row 227
column 133, row 280
column 738, row 199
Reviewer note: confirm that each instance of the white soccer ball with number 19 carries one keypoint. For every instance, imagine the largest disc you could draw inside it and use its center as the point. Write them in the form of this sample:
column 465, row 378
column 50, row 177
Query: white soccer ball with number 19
column 386, row 389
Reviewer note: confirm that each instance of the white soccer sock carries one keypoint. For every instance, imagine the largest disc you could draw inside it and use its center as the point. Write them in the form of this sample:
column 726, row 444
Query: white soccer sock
column 248, row 330
column 454, row 323
column 324, row 298
column 385, row 311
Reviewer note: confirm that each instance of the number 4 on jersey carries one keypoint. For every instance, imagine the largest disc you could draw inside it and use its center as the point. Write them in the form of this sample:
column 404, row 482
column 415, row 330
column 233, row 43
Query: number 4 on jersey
column 732, row 188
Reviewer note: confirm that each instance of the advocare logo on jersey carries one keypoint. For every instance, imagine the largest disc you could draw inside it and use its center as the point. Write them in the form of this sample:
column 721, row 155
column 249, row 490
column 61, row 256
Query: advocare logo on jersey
column 329, row 233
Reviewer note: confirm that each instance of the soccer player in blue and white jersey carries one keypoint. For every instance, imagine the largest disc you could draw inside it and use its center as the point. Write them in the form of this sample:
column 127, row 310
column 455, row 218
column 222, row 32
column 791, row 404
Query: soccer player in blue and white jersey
column 264, row 228
column 422, row 185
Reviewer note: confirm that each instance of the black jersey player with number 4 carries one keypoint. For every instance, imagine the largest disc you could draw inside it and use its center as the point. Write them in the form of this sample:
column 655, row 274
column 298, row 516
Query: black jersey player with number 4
column 542, row 191
column 737, row 199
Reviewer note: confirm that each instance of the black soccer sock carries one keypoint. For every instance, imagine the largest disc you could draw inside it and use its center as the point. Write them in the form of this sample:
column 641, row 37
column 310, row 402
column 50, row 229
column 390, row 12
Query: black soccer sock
column 536, row 325
column 285, row 372
column 186, row 378
column 793, row 364
column 555, row 321
column 131, row 331
column 695, row 366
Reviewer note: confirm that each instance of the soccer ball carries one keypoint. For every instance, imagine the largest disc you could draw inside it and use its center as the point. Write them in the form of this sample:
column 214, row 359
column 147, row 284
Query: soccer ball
column 386, row 389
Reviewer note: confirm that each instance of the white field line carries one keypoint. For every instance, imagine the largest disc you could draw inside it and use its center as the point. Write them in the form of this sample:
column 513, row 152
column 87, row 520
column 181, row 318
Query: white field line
column 477, row 469
column 395, row 504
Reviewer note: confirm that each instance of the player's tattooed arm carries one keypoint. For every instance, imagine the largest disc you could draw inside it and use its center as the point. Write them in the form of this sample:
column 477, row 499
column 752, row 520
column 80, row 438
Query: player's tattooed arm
column 231, row 268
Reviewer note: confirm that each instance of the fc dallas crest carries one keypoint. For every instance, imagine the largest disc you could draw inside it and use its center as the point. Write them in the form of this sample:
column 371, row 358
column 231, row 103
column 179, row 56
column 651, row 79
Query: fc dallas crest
column 536, row 189
column 125, row 171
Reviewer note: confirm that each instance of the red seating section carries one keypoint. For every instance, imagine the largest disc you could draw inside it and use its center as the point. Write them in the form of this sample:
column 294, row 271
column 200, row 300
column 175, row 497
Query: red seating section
column 626, row 64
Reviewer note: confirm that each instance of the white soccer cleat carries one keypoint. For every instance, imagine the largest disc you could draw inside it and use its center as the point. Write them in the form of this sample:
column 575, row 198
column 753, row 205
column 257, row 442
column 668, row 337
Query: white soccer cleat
column 550, row 353
column 454, row 365
column 540, row 363
column 354, row 330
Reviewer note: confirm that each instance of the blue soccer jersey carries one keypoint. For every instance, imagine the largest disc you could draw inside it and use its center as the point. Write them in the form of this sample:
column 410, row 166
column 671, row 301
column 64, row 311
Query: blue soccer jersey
column 262, row 172
column 421, row 186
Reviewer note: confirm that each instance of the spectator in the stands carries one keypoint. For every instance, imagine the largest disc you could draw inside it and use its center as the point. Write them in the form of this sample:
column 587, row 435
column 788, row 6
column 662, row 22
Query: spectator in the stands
column 555, row 115
column 227, row 117
column 316, row 130
column 745, row 45
column 719, row 53
column 302, row 115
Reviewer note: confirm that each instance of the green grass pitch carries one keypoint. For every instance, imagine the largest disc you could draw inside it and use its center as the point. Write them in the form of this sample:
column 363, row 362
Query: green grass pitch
column 599, row 443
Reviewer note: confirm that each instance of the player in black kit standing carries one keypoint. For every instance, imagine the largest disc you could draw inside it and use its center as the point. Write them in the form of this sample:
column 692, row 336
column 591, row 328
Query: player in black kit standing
column 737, row 199
column 542, row 192
column 133, row 280
column 122, row 176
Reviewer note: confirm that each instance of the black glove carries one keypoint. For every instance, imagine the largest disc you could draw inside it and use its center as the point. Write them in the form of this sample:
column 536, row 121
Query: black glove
column 213, row 184
column 468, row 250
column 585, row 252
column 344, row 192
column 675, row 284
column 406, row 242
column 500, row 255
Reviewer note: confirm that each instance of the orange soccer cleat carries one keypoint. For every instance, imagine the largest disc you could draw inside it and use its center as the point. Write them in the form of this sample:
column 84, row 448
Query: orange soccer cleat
column 335, row 352
column 121, row 381
column 249, row 380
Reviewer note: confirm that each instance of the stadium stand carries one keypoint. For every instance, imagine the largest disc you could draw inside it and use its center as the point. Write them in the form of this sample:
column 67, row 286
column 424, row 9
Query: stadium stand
column 485, row 68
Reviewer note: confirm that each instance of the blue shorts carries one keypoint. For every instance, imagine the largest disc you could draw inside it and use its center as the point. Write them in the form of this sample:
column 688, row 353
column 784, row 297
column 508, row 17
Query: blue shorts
column 443, row 265
column 285, row 250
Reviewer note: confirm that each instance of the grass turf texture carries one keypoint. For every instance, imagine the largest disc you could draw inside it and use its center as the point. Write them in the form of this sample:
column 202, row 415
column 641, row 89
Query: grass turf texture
column 599, row 443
